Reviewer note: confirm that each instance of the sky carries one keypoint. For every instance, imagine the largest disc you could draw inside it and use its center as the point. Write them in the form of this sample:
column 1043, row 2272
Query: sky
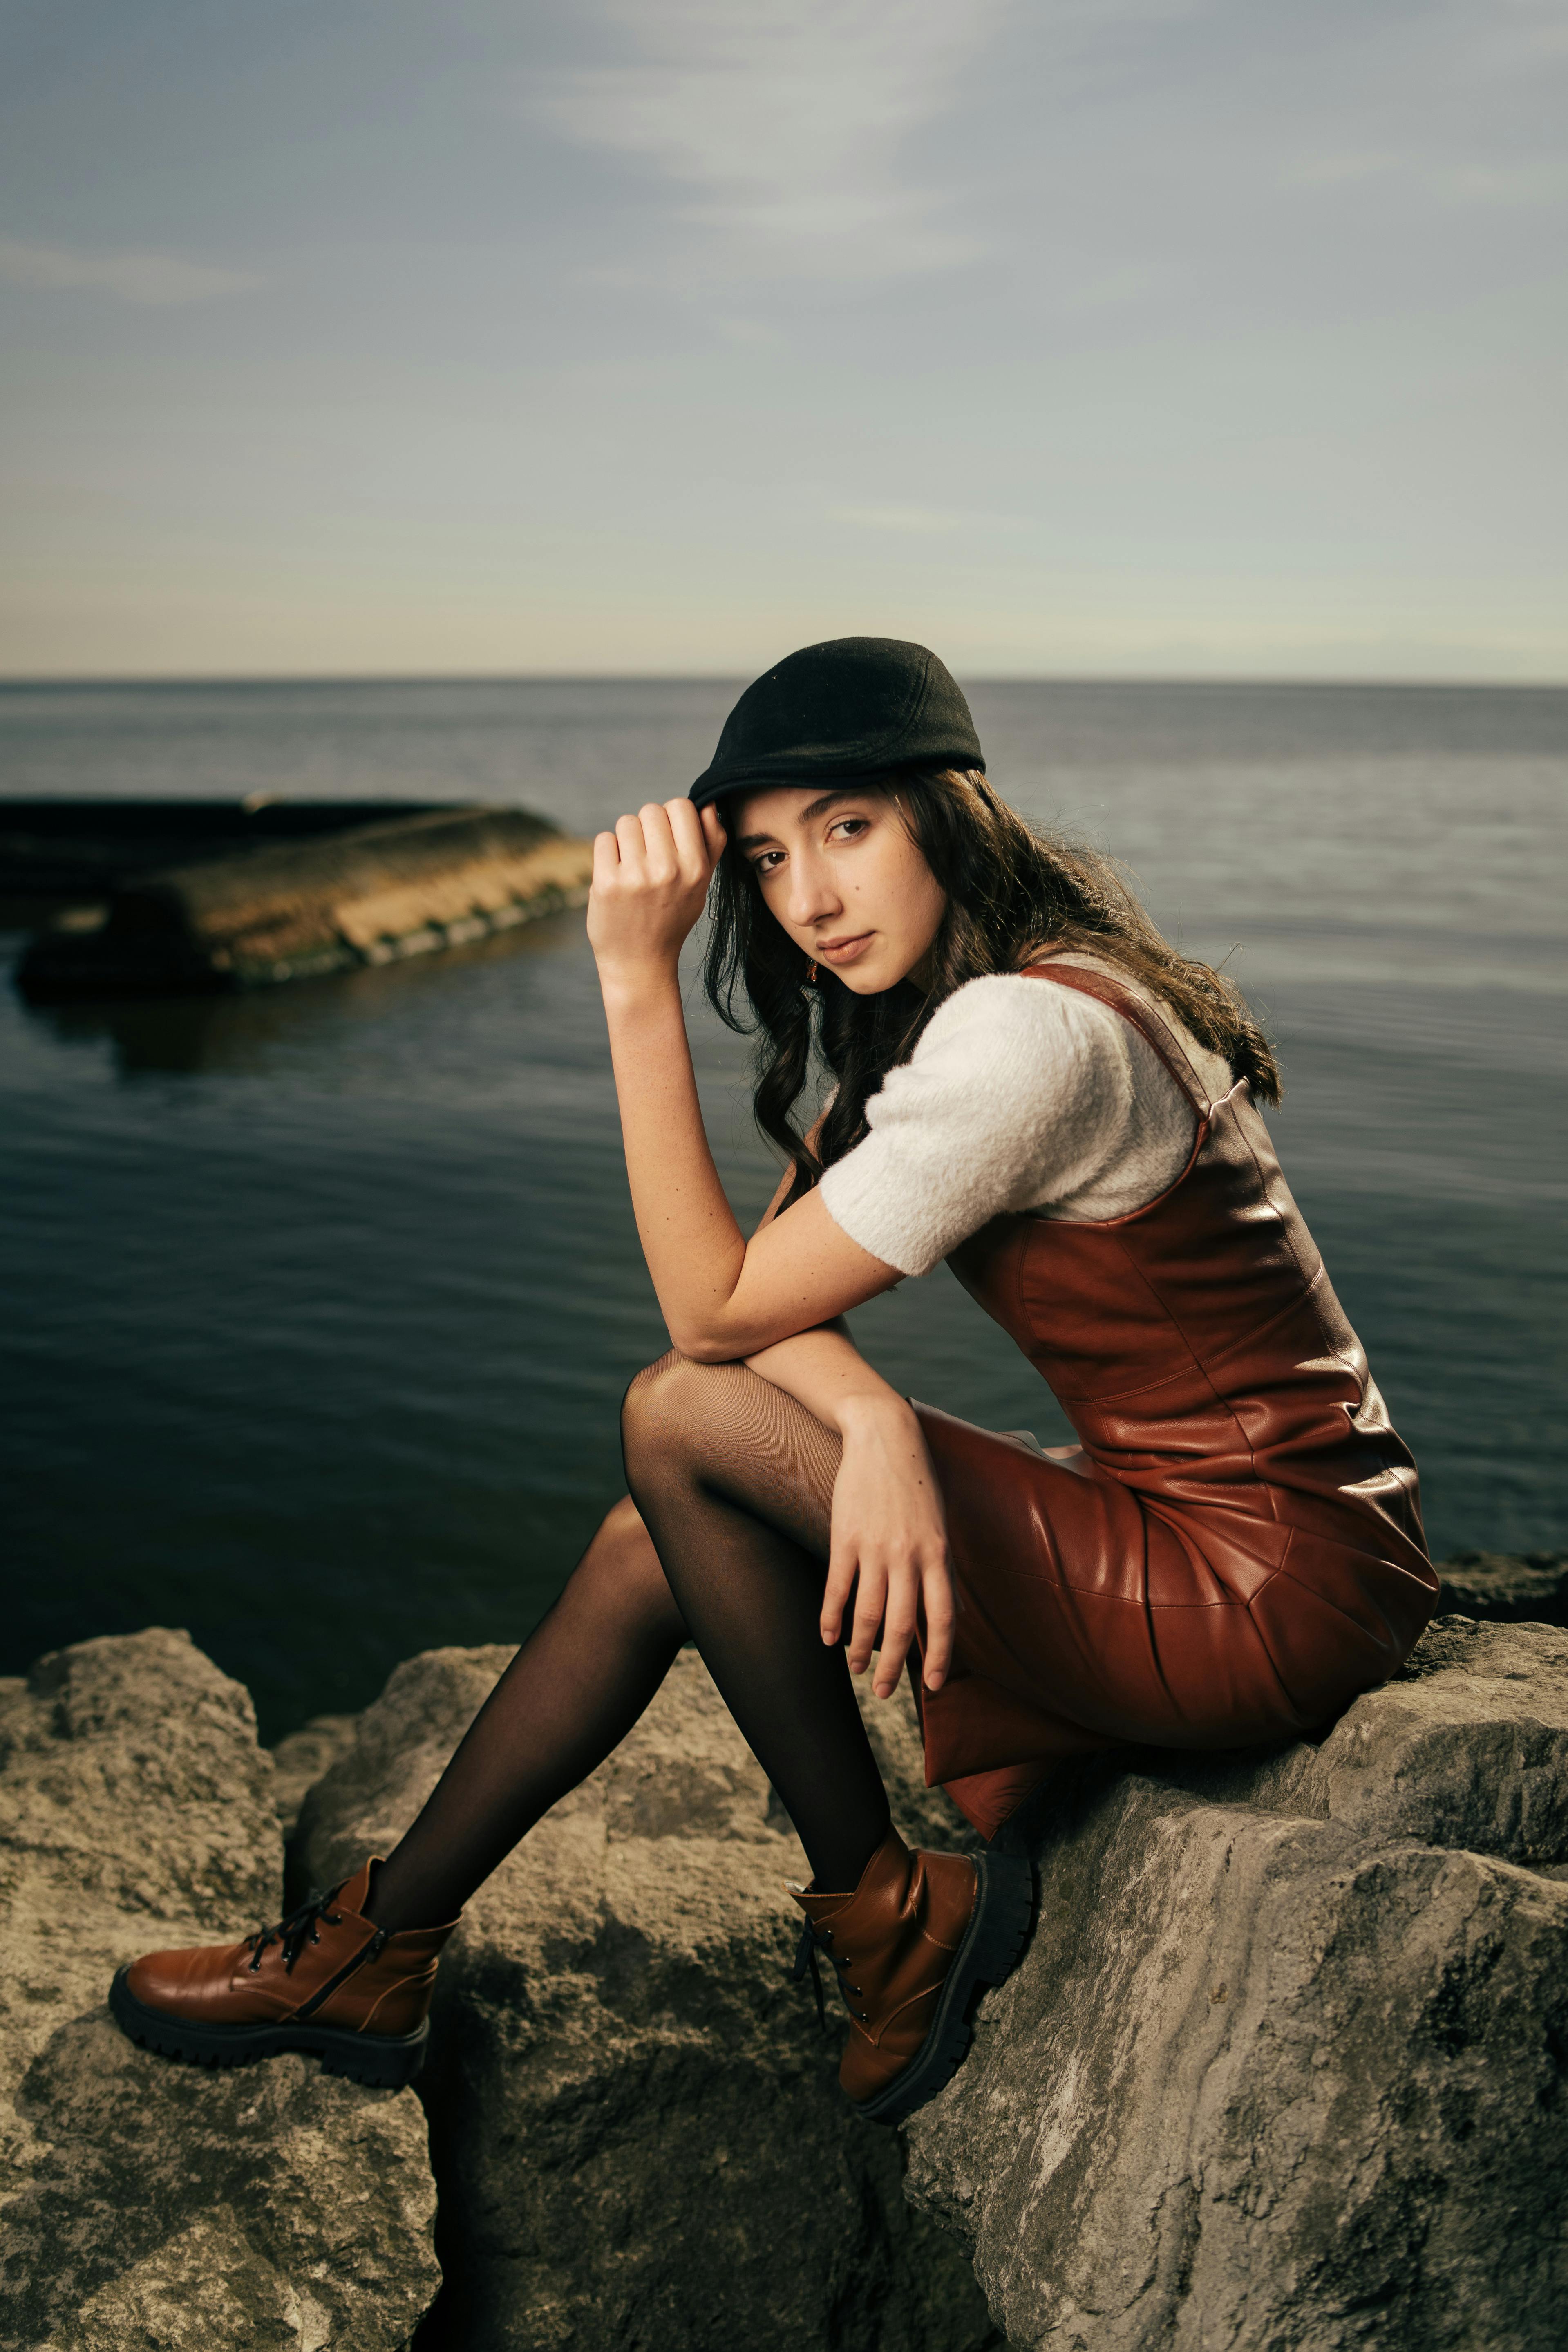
column 1180, row 338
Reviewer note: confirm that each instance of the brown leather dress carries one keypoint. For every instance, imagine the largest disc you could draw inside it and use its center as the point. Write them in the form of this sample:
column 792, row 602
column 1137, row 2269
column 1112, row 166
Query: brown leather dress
column 1234, row 1550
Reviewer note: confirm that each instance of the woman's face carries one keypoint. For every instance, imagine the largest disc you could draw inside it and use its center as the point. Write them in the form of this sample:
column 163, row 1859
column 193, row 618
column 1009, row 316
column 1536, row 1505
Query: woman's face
column 839, row 871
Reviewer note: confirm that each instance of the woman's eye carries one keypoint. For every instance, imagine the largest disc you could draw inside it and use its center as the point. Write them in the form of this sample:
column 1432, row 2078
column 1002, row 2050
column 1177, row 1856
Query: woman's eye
column 769, row 860
column 849, row 828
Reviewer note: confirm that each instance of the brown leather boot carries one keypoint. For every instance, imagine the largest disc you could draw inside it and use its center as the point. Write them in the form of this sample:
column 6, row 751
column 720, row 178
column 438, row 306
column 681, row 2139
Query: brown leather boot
column 327, row 1981
column 913, row 1946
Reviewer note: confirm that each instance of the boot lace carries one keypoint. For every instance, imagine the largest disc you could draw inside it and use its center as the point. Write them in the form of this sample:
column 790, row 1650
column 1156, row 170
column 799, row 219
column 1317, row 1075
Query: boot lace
column 813, row 1940
column 301, row 1927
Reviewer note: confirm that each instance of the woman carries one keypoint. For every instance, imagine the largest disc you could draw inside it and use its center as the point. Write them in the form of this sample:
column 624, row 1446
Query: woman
column 1029, row 1082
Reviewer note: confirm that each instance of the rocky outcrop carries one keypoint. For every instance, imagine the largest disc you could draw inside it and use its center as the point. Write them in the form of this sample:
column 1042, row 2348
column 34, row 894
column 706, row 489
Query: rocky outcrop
column 1506, row 1588
column 1284, row 2068
column 636, row 2126
column 144, row 2203
column 1286, row 2065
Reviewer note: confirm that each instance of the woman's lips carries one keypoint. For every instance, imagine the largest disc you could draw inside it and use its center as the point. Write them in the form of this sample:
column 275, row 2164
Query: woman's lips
column 845, row 950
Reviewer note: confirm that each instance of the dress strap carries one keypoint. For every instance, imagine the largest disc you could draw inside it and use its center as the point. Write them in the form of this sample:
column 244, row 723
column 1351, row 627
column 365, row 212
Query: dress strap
column 1148, row 1024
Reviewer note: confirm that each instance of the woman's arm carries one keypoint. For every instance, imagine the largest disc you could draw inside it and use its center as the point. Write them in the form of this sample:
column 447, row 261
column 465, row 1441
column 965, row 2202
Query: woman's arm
column 721, row 1297
column 890, row 1529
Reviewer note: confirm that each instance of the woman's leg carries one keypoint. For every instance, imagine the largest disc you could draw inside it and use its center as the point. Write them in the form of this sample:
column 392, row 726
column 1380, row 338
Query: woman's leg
column 571, row 1694
column 726, row 1536
column 734, row 1482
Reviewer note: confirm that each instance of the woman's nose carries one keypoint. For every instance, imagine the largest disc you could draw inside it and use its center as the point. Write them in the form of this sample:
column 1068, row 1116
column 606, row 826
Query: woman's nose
column 811, row 894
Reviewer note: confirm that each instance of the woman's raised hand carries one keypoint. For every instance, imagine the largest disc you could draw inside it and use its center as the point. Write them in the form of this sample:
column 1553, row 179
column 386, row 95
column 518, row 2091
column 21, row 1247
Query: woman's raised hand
column 889, row 1546
column 650, row 884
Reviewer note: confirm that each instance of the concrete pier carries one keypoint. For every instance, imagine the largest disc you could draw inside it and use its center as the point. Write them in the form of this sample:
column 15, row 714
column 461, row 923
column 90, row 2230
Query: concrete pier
column 267, row 903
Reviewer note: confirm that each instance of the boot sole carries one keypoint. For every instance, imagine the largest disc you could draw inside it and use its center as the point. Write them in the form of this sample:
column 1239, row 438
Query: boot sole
column 384, row 2062
column 993, row 1943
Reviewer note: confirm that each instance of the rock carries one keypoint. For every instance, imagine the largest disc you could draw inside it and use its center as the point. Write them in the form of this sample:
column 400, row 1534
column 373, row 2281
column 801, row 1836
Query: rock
column 1507, row 1588
column 1284, row 2067
column 1286, row 2063
column 146, row 2204
column 302, row 1757
column 634, row 2118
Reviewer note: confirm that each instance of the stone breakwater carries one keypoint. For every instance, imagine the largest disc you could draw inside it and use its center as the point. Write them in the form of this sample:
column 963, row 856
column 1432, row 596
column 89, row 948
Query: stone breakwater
column 1286, row 2063
column 632, row 2115
column 148, row 2205
column 1284, row 2067
column 315, row 898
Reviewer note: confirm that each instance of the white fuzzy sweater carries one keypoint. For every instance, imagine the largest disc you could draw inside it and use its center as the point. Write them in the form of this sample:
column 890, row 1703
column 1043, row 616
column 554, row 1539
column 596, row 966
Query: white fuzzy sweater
column 1020, row 1095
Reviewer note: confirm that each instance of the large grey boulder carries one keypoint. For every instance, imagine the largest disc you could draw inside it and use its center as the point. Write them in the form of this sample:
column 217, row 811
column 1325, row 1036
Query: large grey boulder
column 1285, row 2068
column 636, row 2127
column 142, row 2203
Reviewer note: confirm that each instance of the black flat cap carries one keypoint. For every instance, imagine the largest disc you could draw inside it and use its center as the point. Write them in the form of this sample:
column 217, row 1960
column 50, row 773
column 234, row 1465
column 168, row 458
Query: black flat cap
column 853, row 706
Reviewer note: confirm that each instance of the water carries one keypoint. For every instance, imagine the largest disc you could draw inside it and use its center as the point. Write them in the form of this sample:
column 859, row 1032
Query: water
column 321, row 1303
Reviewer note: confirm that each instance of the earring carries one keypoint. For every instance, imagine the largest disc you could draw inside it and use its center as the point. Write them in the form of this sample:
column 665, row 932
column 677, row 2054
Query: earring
column 811, row 975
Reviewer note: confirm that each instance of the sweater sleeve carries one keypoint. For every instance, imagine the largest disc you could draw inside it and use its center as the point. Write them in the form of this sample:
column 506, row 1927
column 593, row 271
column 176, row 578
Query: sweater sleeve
column 1018, row 1095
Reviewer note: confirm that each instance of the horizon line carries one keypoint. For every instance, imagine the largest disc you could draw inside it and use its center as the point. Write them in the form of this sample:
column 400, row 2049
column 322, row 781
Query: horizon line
column 111, row 682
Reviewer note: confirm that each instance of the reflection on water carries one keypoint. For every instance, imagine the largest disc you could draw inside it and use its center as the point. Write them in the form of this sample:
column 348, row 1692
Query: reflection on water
column 323, row 1298
column 249, row 1032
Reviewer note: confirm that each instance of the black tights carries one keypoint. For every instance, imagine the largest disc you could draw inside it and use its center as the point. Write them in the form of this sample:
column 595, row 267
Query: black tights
column 723, row 1541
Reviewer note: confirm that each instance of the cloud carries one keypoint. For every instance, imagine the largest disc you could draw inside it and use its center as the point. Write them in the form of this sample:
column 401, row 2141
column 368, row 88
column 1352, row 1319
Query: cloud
column 1537, row 182
column 752, row 334
column 152, row 279
column 786, row 121
column 1534, row 181
column 1454, row 111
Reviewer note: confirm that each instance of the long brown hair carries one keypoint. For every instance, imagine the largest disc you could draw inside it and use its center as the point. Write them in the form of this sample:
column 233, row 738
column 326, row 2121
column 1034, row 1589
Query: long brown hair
column 1014, row 895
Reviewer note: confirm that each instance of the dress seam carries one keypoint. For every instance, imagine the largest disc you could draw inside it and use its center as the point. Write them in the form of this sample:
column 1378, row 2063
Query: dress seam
column 1195, row 1362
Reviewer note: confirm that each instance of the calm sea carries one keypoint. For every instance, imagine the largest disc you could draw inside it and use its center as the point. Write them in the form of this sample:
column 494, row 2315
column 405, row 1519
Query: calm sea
column 320, row 1304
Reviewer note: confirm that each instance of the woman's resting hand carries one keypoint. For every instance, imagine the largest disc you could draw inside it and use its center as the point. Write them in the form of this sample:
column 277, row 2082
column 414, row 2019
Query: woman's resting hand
column 650, row 884
column 890, row 1544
